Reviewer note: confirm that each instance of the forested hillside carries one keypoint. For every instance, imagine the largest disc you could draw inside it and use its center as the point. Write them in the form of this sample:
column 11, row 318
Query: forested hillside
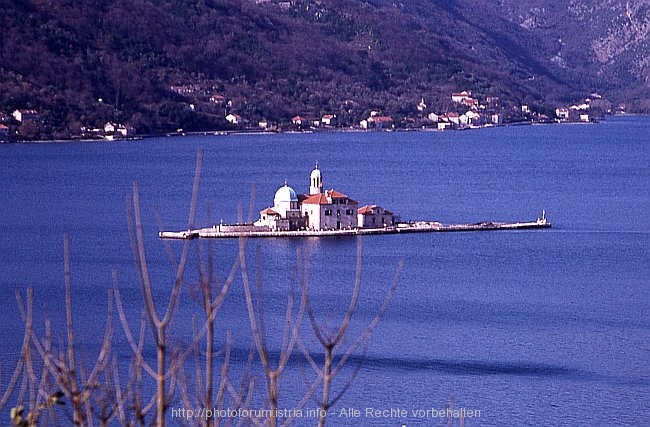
column 156, row 64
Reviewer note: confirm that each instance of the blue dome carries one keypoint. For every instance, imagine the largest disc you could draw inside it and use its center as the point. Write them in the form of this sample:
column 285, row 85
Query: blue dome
column 285, row 194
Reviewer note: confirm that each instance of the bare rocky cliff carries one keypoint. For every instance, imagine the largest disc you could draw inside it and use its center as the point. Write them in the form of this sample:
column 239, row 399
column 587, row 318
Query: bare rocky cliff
column 608, row 39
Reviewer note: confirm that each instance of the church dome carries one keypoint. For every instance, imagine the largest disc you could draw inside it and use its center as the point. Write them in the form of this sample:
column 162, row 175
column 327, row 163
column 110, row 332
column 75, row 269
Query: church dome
column 285, row 194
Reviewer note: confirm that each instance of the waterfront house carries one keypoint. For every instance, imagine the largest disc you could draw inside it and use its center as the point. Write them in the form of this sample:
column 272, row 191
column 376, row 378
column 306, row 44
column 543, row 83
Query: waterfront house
column 126, row 130
column 4, row 133
column 234, row 119
column 110, row 128
column 379, row 122
column 117, row 130
column 470, row 118
column 454, row 118
column 328, row 119
column 25, row 116
column 580, row 107
column 474, row 118
column 562, row 113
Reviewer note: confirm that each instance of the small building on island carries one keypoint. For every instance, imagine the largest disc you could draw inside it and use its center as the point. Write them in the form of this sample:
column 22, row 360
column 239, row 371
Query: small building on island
column 332, row 213
column 320, row 210
column 330, row 210
column 373, row 216
column 285, row 214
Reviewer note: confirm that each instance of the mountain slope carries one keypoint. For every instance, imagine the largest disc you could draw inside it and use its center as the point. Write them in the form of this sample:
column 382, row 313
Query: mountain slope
column 86, row 62
column 606, row 39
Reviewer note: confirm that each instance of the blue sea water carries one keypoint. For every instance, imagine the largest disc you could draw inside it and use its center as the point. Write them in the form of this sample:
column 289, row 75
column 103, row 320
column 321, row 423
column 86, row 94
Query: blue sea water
column 538, row 327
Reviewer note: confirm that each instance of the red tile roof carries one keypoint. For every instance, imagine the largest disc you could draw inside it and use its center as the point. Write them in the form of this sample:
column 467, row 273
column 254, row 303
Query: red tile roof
column 316, row 199
column 269, row 211
column 370, row 209
column 366, row 209
column 321, row 199
column 380, row 119
column 335, row 194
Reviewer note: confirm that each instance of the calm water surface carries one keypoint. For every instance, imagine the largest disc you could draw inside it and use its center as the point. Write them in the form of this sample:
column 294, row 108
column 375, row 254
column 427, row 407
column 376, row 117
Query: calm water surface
column 548, row 327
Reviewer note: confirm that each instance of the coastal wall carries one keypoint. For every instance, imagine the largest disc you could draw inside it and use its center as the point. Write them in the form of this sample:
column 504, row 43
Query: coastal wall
column 239, row 228
column 248, row 230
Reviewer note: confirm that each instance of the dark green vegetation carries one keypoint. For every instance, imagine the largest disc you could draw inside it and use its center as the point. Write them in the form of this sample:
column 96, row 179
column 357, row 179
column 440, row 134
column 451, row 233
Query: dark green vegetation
column 86, row 62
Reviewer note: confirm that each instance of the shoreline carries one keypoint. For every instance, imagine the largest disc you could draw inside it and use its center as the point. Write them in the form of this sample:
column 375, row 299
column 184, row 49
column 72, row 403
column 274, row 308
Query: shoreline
column 254, row 131
column 214, row 232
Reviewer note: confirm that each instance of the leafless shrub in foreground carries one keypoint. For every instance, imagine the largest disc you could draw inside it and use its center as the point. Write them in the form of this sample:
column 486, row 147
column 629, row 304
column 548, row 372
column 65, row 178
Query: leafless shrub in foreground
column 48, row 375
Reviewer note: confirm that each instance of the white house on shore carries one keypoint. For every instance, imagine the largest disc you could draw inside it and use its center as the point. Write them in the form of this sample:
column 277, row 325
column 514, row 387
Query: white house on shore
column 328, row 119
column 234, row 119
column 4, row 133
column 562, row 113
column 113, row 131
column 320, row 210
column 26, row 116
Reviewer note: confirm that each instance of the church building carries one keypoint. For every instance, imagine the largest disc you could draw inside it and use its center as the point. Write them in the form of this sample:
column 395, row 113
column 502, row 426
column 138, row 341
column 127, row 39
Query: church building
column 319, row 210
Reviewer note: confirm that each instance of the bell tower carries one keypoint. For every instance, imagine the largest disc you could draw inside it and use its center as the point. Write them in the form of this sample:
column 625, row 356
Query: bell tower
column 315, row 181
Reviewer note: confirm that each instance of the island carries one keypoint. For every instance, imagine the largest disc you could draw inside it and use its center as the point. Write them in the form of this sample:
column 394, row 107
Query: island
column 321, row 213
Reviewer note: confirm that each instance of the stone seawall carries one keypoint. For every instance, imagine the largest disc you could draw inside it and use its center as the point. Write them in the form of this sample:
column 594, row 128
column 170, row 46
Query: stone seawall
column 248, row 230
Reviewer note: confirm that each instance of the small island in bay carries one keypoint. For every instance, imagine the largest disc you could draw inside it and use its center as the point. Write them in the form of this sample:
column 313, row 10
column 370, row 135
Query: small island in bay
column 322, row 213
